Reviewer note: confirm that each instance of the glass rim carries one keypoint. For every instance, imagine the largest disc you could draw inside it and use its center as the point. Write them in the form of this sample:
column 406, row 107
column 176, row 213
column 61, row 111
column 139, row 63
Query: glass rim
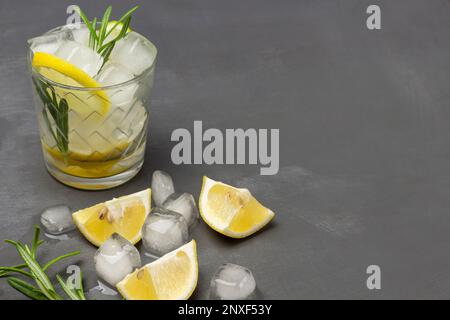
column 99, row 88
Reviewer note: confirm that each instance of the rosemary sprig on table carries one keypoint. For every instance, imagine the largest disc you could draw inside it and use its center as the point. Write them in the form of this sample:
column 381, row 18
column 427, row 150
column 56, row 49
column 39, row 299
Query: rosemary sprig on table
column 100, row 32
column 44, row 289
column 59, row 111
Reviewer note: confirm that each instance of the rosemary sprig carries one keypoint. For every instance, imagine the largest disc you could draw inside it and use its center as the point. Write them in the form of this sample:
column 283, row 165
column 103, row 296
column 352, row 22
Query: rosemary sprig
column 45, row 289
column 58, row 110
column 99, row 33
column 27, row 289
column 72, row 293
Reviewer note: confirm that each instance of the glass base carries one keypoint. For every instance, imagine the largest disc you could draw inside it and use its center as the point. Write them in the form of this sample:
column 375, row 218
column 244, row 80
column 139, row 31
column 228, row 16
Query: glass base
column 95, row 183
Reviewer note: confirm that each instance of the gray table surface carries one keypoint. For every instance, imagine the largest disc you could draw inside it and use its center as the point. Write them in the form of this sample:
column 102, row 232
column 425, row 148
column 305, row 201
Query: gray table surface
column 364, row 125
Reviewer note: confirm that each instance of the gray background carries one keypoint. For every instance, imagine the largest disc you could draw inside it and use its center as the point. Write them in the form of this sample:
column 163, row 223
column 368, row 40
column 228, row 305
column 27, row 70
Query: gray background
column 364, row 124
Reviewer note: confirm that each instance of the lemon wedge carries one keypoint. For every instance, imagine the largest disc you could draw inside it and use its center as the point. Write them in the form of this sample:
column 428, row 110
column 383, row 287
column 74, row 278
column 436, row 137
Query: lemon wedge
column 174, row 276
column 231, row 211
column 125, row 215
column 65, row 73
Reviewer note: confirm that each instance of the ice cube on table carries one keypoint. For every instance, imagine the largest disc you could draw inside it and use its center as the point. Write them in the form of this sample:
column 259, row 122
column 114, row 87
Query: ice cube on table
column 116, row 258
column 162, row 187
column 81, row 56
column 57, row 220
column 232, row 282
column 102, row 291
column 164, row 231
column 114, row 73
column 183, row 204
column 135, row 52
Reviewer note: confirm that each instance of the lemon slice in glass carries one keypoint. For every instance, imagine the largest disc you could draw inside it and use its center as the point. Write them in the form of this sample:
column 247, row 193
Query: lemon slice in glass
column 62, row 72
column 174, row 276
column 231, row 211
column 125, row 215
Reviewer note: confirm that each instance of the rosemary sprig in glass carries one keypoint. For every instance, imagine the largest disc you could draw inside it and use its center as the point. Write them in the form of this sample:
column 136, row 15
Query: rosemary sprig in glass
column 58, row 110
column 99, row 32
column 44, row 289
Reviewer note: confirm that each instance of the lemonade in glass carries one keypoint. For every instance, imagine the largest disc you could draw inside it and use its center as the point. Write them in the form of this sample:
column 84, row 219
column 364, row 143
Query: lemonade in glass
column 92, row 83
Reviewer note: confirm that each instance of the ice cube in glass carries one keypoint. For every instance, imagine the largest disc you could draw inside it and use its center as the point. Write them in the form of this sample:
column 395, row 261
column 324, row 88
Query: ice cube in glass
column 134, row 52
column 114, row 73
column 81, row 56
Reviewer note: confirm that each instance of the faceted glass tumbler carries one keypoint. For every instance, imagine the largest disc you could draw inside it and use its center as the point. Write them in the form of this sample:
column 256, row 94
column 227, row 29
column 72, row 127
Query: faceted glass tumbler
column 93, row 137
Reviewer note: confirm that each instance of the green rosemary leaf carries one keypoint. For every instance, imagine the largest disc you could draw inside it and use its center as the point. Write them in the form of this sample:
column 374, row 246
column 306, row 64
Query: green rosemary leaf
column 104, row 47
column 34, row 267
column 65, row 111
column 128, row 13
column 58, row 110
column 47, row 291
column 27, row 289
column 62, row 125
column 39, row 90
column 14, row 243
column 104, row 25
column 71, row 294
column 92, row 35
column 107, row 50
column 53, row 97
column 19, row 266
column 49, row 125
column 35, row 244
column 124, row 31
column 50, row 105
column 50, row 263
column 7, row 270
column 92, row 29
column 27, row 249
column 80, row 290
column 41, row 278
column 126, row 26
column 122, row 19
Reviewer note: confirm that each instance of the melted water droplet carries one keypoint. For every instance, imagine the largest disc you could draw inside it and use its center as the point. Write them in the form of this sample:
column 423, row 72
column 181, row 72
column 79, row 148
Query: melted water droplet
column 103, row 289
column 60, row 237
